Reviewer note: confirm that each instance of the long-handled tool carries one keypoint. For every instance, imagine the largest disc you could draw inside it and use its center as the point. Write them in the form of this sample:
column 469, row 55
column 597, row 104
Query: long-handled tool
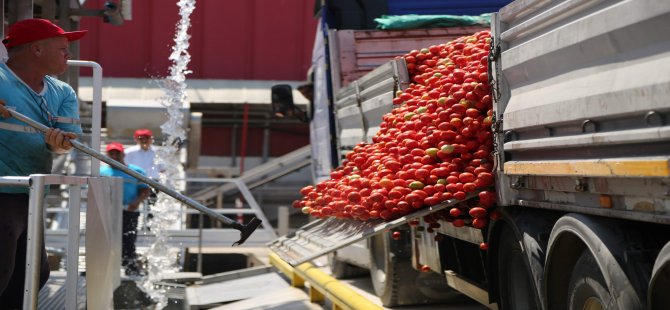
column 245, row 230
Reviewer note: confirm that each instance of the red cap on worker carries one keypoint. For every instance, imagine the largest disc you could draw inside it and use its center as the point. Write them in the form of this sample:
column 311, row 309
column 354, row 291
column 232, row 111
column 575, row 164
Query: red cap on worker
column 143, row 132
column 114, row 146
column 35, row 29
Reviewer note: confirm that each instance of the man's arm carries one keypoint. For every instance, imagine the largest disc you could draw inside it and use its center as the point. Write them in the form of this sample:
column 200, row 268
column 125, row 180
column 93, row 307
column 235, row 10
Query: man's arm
column 143, row 193
column 58, row 141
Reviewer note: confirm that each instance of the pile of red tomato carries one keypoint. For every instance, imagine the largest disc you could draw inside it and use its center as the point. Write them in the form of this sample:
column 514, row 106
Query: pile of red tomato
column 435, row 145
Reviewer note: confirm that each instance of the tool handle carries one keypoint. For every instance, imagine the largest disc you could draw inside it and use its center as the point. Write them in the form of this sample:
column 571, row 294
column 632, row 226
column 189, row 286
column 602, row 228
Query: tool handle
column 170, row 192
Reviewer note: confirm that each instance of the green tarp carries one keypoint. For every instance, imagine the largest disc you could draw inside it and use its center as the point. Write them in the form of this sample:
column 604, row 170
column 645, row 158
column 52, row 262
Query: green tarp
column 413, row 21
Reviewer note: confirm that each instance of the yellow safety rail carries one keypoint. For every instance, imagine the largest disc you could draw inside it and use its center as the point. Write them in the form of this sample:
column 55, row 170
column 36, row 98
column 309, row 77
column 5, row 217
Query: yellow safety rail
column 643, row 167
column 322, row 285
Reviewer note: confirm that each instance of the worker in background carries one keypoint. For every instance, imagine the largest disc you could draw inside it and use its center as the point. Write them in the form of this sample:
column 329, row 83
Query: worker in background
column 37, row 51
column 134, row 192
column 143, row 154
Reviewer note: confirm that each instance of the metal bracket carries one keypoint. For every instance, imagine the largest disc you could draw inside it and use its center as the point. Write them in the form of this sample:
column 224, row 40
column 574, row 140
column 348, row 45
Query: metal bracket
column 581, row 185
column 497, row 124
column 518, row 182
column 589, row 126
column 653, row 119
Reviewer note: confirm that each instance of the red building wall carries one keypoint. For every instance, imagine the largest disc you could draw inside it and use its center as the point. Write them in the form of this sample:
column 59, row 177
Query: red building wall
column 230, row 39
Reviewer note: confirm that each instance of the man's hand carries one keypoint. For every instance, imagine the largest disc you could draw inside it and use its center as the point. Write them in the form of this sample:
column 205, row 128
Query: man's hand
column 133, row 206
column 58, row 140
column 3, row 110
column 143, row 193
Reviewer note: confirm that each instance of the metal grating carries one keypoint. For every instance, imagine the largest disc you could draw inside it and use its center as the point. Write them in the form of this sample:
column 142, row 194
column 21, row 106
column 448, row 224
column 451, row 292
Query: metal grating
column 52, row 295
column 323, row 236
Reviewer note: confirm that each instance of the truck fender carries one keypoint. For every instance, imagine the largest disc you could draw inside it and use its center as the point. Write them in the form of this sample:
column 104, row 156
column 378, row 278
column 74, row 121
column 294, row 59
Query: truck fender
column 659, row 286
column 607, row 241
column 532, row 227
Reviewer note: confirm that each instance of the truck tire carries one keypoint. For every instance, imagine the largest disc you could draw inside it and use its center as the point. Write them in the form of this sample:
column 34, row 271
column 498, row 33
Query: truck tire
column 514, row 279
column 587, row 289
column 396, row 282
column 604, row 246
column 343, row 270
column 659, row 286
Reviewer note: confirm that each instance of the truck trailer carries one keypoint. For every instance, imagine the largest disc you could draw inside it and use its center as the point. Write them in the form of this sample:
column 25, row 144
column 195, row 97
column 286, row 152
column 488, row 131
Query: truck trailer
column 581, row 162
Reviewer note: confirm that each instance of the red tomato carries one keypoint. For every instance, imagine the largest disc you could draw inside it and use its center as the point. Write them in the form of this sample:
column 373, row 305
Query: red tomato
column 480, row 223
column 354, row 197
column 477, row 212
column 306, row 190
column 466, row 177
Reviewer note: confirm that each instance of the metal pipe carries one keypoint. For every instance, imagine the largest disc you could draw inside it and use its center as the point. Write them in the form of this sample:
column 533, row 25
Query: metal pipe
column 97, row 108
column 245, row 230
column 34, row 242
column 15, row 181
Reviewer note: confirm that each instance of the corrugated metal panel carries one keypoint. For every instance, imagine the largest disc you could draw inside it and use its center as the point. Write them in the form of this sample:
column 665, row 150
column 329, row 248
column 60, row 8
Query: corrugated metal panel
column 237, row 39
column 451, row 7
column 585, row 77
column 583, row 95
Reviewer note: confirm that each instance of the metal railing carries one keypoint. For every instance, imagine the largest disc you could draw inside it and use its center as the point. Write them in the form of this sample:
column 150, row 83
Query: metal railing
column 103, row 226
column 182, row 236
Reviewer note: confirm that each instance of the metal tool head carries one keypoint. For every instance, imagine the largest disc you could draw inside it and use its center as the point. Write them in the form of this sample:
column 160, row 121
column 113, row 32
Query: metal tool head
column 246, row 230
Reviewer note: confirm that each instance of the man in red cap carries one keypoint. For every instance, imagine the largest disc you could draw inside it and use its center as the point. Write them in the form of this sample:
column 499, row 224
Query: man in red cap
column 143, row 154
column 37, row 50
column 134, row 192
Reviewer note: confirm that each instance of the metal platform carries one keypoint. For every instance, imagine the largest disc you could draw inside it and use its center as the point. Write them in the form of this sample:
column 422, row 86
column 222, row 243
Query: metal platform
column 52, row 295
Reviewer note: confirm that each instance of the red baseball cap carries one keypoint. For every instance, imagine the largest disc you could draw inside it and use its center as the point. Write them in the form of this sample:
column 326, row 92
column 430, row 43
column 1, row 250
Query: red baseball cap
column 114, row 146
column 35, row 29
column 143, row 132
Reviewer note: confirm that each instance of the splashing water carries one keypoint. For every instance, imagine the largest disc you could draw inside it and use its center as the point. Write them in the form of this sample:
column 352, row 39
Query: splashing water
column 160, row 259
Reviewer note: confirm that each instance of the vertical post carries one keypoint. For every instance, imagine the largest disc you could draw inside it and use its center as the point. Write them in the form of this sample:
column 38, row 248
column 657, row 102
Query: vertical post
column 34, row 242
column 245, row 130
column 219, row 200
column 74, row 202
column 96, row 114
column 2, row 19
column 24, row 10
column 219, row 205
column 233, row 143
column 266, row 139
column 49, row 9
column 282, row 221
column 200, row 224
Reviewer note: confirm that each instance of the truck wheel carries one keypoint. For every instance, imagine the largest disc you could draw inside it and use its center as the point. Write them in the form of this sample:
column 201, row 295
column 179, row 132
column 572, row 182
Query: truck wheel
column 343, row 270
column 587, row 289
column 659, row 286
column 514, row 279
column 394, row 280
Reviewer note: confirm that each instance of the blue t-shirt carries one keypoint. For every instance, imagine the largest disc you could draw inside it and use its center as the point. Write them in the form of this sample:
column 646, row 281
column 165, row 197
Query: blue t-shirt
column 131, row 186
column 24, row 151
